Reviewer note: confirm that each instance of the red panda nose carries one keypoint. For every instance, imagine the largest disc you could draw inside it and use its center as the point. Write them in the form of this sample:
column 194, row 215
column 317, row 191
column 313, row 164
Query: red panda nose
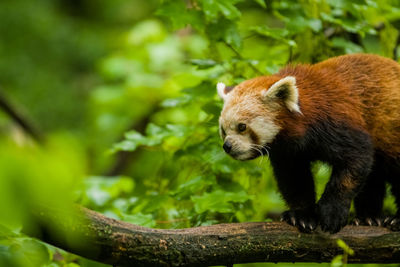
column 227, row 146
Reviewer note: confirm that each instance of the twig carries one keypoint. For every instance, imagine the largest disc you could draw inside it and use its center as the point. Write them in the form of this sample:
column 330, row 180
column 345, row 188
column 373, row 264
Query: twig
column 242, row 58
column 21, row 120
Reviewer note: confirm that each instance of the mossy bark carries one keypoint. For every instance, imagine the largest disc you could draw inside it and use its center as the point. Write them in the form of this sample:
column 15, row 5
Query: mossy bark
column 106, row 240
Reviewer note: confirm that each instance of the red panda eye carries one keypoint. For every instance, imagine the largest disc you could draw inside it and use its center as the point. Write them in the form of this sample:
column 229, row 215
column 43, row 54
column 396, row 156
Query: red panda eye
column 241, row 127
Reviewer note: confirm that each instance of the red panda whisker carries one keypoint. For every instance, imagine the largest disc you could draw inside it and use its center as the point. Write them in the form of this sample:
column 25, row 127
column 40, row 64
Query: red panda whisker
column 261, row 154
column 262, row 148
column 257, row 148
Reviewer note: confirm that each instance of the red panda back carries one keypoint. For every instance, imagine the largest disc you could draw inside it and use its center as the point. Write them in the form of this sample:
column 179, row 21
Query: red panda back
column 376, row 81
column 361, row 90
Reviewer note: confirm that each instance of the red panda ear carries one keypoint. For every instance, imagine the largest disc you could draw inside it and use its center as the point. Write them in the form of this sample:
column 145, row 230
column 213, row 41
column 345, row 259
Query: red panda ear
column 286, row 90
column 223, row 90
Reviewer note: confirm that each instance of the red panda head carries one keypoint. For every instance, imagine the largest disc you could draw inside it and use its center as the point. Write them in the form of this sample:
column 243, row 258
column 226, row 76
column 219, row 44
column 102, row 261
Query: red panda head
column 249, row 118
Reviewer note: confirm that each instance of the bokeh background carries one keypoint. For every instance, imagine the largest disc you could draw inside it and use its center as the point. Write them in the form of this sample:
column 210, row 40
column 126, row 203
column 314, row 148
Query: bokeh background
column 119, row 98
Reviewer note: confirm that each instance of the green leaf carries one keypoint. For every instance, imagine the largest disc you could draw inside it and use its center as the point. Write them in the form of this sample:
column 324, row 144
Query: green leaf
column 205, row 89
column 280, row 34
column 100, row 190
column 176, row 102
column 226, row 31
column 5, row 232
column 29, row 252
column 219, row 201
column 126, row 145
column 276, row 33
column 194, row 185
column 228, row 9
column 139, row 219
column 389, row 36
column 146, row 31
column 350, row 24
column 179, row 15
column 203, row 63
column 231, row 36
column 337, row 261
column 98, row 196
column 154, row 130
column 212, row 108
column 212, row 8
column 348, row 46
column 155, row 135
column 345, row 247
column 261, row 3
column 178, row 130
column 315, row 24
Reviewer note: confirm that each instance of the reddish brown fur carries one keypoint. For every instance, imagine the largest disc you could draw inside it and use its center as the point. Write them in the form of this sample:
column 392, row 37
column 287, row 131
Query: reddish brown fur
column 362, row 90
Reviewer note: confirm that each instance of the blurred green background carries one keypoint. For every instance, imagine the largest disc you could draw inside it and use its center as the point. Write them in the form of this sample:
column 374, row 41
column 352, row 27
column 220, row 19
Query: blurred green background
column 123, row 96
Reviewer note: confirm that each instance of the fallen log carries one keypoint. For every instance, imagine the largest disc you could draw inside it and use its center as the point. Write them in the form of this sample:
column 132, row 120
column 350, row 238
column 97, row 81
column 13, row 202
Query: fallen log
column 118, row 243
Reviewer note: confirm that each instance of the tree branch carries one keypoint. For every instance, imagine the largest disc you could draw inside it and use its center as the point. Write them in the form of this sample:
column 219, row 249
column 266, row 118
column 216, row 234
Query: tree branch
column 17, row 116
column 122, row 244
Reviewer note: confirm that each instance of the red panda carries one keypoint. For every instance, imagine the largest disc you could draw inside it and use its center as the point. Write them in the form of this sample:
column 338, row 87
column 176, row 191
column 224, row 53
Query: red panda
column 344, row 111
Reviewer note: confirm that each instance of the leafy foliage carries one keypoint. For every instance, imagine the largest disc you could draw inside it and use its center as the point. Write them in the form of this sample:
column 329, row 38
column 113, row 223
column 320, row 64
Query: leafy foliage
column 136, row 93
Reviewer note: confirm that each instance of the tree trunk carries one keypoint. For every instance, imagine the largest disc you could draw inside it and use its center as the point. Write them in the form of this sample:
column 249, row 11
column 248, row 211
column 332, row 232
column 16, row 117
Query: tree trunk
column 106, row 240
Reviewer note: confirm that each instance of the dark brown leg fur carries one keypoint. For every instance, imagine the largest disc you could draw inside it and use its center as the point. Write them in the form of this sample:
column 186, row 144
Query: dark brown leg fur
column 392, row 168
column 369, row 201
column 296, row 184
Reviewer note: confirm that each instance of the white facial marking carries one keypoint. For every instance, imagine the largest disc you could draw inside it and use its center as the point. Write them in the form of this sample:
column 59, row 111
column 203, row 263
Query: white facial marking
column 265, row 129
column 289, row 84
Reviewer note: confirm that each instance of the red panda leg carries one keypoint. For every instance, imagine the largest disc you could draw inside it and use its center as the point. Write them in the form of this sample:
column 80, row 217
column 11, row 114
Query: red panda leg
column 393, row 175
column 296, row 185
column 346, row 181
column 369, row 201
column 350, row 152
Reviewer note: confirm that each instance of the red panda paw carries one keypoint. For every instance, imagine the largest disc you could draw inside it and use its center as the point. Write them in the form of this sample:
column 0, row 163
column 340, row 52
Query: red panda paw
column 332, row 216
column 304, row 220
column 392, row 222
column 369, row 221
